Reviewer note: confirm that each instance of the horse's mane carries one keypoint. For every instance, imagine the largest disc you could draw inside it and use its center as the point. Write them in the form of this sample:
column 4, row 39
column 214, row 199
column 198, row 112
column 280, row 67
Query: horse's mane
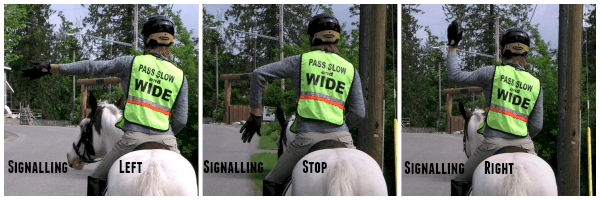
column 111, row 107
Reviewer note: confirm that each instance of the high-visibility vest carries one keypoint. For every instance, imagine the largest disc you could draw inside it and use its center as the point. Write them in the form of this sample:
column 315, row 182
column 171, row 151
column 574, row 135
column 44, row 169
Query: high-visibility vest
column 514, row 94
column 153, row 88
column 325, row 81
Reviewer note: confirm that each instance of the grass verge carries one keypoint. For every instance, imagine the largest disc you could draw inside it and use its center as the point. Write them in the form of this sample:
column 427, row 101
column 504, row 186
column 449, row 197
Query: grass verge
column 269, row 132
column 268, row 160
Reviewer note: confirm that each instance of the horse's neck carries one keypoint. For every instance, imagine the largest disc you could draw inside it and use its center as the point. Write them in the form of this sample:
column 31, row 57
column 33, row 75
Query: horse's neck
column 110, row 134
column 475, row 139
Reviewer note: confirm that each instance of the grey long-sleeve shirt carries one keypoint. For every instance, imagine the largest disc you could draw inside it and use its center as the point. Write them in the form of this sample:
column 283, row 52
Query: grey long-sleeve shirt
column 484, row 77
column 290, row 68
column 121, row 67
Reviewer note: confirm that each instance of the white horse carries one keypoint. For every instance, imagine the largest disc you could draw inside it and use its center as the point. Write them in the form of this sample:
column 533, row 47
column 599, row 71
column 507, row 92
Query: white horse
column 531, row 175
column 162, row 172
column 349, row 172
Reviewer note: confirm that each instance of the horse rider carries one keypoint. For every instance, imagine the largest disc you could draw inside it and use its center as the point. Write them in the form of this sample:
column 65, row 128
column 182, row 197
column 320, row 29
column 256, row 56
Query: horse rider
column 326, row 85
column 157, row 99
column 514, row 97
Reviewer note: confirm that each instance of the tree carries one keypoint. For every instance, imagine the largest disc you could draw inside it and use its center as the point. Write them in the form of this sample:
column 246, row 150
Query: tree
column 13, row 21
column 477, row 21
column 412, row 73
column 264, row 18
column 116, row 21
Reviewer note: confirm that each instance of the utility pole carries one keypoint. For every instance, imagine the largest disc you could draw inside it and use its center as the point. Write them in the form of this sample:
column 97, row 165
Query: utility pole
column 563, row 33
column 255, row 41
column 363, row 64
column 573, row 99
column 135, row 28
column 376, row 83
column 281, row 41
column 111, row 45
column 217, row 80
column 497, row 35
column 73, row 102
column 439, row 93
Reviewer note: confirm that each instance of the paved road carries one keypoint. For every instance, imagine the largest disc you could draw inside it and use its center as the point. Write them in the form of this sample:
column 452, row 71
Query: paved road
column 223, row 143
column 42, row 144
column 429, row 148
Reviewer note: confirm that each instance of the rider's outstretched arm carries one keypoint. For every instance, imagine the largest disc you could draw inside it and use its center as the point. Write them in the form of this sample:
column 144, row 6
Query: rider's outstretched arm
column 119, row 67
column 282, row 69
column 355, row 103
column 482, row 77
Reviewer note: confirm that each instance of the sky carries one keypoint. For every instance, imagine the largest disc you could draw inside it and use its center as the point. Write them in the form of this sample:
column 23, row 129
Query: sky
column 340, row 11
column 75, row 12
column 546, row 15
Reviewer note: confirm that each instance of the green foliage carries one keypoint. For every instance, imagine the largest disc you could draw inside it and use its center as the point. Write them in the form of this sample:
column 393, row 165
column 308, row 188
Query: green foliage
column 13, row 21
column 478, row 21
column 270, row 131
column 268, row 160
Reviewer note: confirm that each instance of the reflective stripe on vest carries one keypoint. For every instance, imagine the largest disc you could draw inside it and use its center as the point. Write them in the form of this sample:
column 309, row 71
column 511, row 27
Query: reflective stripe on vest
column 325, row 81
column 153, row 88
column 514, row 94
column 322, row 97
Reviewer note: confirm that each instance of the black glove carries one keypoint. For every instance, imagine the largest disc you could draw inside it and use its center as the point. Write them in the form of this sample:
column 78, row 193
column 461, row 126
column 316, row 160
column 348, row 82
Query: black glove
column 38, row 70
column 251, row 126
column 454, row 34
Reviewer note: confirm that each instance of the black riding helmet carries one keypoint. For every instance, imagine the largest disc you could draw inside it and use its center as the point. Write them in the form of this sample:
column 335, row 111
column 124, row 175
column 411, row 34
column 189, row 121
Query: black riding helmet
column 158, row 31
column 515, row 42
column 324, row 28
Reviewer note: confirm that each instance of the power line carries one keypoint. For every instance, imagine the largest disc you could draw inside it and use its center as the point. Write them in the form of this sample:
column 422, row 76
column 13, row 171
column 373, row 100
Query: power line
column 533, row 13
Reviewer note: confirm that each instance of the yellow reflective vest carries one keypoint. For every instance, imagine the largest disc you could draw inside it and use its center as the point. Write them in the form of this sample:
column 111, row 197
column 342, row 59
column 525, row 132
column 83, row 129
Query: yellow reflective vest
column 514, row 94
column 153, row 88
column 325, row 81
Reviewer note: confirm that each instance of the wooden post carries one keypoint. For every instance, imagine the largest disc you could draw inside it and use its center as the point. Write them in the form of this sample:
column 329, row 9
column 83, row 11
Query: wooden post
column 82, row 102
column 376, row 83
column 227, row 100
column 363, row 63
column 573, row 98
column 448, row 112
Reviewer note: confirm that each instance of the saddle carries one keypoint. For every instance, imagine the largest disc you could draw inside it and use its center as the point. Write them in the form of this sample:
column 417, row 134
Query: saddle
column 510, row 149
column 326, row 144
column 151, row 145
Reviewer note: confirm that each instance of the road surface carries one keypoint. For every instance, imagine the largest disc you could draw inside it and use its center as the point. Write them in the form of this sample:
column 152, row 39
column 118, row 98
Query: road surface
column 42, row 144
column 222, row 143
column 429, row 148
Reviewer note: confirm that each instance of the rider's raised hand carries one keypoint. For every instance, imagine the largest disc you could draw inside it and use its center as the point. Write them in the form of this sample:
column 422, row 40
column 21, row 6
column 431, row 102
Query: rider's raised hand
column 454, row 34
column 38, row 70
column 251, row 126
